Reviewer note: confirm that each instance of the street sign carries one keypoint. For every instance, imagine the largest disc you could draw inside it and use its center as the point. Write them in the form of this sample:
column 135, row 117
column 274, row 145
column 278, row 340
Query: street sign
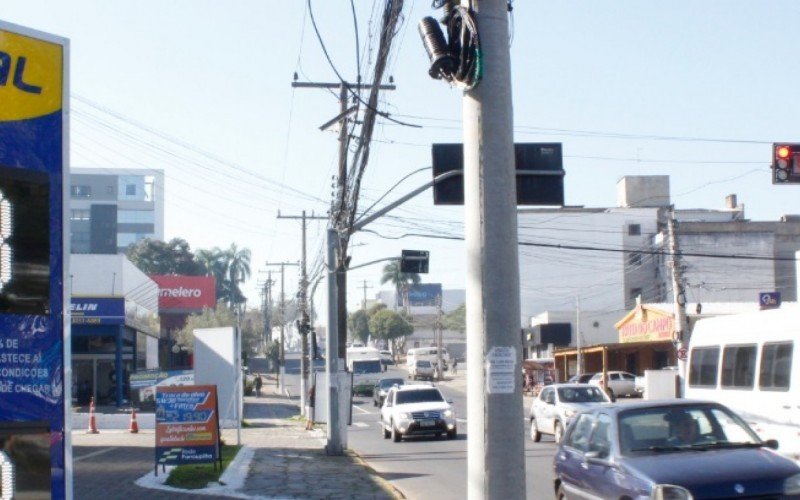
column 35, row 390
column 682, row 354
column 769, row 300
column 539, row 166
column 414, row 261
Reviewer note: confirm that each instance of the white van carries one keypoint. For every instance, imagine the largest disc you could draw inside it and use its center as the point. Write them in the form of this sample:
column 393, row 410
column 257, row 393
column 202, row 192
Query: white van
column 751, row 363
column 429, row 353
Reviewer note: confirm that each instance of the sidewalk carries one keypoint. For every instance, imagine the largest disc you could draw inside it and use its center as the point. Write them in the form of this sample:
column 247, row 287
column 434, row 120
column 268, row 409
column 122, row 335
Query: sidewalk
column 279, row 459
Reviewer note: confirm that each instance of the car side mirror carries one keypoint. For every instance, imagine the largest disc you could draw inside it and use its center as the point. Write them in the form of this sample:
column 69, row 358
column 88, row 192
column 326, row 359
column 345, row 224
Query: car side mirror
column 597, row 458
column 771, row 444
column 450, row 401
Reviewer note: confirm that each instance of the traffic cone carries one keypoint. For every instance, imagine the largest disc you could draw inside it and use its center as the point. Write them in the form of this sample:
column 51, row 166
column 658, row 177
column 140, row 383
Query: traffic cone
column 134, row 427
column 92, row 422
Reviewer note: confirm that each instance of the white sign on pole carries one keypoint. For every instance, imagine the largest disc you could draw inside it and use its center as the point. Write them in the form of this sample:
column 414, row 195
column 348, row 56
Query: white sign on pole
column 501, row 364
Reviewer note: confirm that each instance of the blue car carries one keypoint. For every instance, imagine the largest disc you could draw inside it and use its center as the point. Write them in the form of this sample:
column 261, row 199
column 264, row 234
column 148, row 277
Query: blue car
column 669, row 450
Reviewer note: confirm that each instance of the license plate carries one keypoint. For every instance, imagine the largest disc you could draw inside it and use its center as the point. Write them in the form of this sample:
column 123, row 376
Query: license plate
column 427, row 423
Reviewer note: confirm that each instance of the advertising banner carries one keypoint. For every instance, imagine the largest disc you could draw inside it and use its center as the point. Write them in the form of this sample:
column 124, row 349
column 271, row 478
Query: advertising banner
column 185, row 293
column 97, row 310
column 187, row 425
column 424, row 294
column 34, row 333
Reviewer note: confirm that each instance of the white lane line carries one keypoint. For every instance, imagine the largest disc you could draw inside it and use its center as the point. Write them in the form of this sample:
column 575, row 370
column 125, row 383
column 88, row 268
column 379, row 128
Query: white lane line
column 92, row 454
column 360, row 424
column 361, row 409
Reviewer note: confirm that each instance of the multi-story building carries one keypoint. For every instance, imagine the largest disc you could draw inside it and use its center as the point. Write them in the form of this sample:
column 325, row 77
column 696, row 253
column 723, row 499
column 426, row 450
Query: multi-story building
column 113, row 208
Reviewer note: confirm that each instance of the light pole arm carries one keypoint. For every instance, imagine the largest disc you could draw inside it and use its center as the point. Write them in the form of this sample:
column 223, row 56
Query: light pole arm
column 372, row 262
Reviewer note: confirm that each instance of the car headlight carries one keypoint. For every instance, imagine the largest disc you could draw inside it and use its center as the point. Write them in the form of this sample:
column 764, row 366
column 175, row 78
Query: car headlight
column 403, row 416
column 670, row 492
column 569, row 413
column 791, row 486
column 448, row 413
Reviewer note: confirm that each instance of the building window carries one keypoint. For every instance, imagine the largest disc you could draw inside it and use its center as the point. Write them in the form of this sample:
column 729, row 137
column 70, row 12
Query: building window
column 79, row 214
column 634, row 229
column 135, row 217
column 635, row 259
column 130, row 190
column 80, row 191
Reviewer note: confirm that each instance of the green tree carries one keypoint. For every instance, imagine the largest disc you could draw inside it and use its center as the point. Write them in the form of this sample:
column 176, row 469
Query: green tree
column 390, row 326
column 158, row 257
column 358, row 324
column 209, row 318
column 456, row 320
column 238, row 272
column 401, row 281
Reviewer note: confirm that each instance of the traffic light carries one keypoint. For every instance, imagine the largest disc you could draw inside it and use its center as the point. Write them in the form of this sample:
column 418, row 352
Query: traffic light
column 414, row 261
column 786, row 163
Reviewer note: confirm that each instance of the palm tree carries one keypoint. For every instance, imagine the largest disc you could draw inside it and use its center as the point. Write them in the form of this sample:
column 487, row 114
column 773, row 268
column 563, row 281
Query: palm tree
column 400, row 280
column 216, row 264
column 238, row 271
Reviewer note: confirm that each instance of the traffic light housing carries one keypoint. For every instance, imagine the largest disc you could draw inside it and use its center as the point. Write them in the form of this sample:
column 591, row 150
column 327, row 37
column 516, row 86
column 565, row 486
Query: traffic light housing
column 786, row 163
column 414, row 261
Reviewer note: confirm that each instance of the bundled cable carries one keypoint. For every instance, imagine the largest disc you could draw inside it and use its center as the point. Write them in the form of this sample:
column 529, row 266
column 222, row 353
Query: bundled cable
column 456, row 60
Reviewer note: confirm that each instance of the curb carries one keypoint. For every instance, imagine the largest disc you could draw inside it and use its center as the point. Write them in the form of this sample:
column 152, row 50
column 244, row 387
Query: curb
column 385, row 485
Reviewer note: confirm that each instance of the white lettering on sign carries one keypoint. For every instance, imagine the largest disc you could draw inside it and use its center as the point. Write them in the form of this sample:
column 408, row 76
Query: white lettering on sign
column 82, row 307
column 501, row 368
column 180, row 292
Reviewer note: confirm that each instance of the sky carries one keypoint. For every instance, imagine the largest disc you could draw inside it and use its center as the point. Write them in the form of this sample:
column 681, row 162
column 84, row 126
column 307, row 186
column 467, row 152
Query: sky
column 697, row 90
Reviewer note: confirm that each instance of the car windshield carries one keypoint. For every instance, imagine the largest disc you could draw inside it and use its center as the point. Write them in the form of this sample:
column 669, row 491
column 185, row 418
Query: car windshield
column 369, row 366
column 588, row 394
column 389, row 382
column 419, row 396
column 678, row 428
column 424, row 364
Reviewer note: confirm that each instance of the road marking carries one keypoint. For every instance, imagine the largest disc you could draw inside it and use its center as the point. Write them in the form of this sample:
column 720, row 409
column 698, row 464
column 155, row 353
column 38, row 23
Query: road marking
column 92, row 454
column 362, row 409
column 361, row 424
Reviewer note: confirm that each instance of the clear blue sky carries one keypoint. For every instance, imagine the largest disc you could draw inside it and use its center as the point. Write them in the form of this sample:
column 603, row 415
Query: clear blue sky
column 694, row 90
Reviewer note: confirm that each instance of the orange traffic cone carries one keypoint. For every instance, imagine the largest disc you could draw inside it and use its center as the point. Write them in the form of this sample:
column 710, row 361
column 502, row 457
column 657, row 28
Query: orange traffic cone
column 92, row 422
column 134, row 427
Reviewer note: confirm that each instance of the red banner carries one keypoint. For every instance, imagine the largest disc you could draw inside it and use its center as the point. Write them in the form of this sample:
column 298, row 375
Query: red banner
column 185, row 293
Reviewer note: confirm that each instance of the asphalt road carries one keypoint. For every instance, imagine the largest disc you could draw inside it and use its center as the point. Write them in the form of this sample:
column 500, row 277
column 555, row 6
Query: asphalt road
column 426, row 467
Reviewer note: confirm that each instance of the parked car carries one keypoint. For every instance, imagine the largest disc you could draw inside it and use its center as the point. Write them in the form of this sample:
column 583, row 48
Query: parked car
column 552, row 410
column 619, row 383
column 386, row 357
column 417, row 409
column 582, row 378
column 421, row 369
column 382, row 388
column 676, row 449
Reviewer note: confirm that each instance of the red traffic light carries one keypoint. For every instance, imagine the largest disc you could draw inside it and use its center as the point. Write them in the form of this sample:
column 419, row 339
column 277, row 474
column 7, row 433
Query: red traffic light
column 783, row 152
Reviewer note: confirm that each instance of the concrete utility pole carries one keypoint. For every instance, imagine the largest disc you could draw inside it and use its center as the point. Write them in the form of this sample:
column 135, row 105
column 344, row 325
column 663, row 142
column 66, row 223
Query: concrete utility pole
column 578, row 335
column 339, row 260
column 438, row 332
column 304, row 326
column 681, row 336
column 365, row 287
column 282, row 352
column 495, row 449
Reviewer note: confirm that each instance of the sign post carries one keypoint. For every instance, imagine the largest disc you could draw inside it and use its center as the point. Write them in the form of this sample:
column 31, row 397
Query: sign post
column 187, row 425
column 35, row 374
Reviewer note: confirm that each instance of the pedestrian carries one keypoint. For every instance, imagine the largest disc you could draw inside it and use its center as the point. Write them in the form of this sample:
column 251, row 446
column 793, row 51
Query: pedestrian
column 258, row 384
column 312, row 392
column 455, row 366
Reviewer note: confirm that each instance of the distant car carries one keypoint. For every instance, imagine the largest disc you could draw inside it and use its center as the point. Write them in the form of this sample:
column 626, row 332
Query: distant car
column 619, row 383
column 382, row 388
column 417, row 409
column 553, row 409
column 675, row 449
column 386, row 358
column 583, row 378
column 421, row 369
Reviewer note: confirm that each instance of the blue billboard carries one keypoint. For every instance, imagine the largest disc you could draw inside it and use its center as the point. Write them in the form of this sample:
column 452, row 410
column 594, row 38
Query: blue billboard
column 34, row 333
column 427, row 294
column 97, row 310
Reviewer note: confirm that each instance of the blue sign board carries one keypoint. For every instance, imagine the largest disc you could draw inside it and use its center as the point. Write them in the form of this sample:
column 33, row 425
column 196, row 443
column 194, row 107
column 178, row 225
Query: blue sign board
column 427, row 294
column 187, row 425
column 34, row 333
column 769, row 300
column 97, row 310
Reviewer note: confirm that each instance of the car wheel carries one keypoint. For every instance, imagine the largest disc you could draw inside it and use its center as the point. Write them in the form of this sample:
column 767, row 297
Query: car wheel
column 560, row 495
column 536, row 436
column 558, row 432
column 396, row 437
column 438, row 435
column 385, row 432
column 451, row 434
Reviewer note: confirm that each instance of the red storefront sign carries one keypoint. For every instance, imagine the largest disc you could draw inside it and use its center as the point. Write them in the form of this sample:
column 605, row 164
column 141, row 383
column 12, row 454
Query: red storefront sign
column 185, row 293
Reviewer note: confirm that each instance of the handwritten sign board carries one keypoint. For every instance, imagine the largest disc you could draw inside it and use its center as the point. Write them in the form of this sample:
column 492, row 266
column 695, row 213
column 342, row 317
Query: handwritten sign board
column 187, row 425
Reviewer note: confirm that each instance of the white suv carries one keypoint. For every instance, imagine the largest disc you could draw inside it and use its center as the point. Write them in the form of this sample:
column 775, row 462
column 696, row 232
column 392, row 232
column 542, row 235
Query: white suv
column 417, row 409
column 619, row 383
column 421, row 368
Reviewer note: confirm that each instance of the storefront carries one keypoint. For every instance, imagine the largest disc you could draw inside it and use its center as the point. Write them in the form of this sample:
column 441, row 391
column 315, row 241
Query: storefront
column 645, row 343
column 111, row 338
